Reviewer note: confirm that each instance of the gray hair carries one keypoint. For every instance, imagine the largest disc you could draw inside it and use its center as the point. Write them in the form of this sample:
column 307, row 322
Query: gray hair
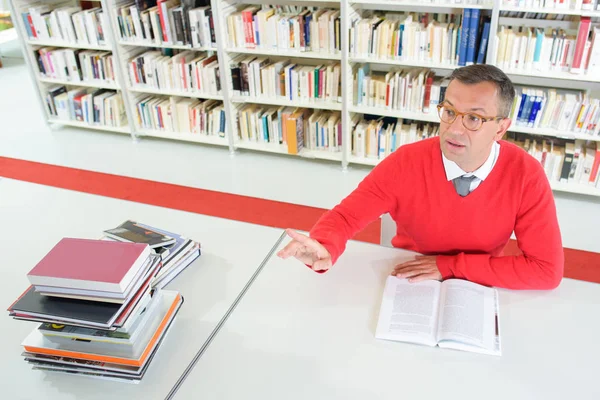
column 477, row 73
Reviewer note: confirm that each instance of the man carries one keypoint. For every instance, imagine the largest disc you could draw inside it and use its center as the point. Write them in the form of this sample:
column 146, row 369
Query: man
column 455, row 198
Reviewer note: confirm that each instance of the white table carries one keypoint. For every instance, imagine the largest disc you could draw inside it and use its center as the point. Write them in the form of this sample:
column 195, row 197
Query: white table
column 34, row 217
column 300, row 335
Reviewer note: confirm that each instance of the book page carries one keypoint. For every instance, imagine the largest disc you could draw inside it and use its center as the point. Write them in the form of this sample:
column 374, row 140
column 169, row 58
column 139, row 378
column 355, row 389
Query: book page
column 467, row 316
column 409, row 311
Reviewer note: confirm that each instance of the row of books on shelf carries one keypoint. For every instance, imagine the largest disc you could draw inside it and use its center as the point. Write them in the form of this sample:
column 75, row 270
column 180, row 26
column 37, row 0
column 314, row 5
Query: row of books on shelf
column 583, row 5
column 418, row 90
column 575, row 162
column 377, row 138
column 187, row 22
column 259, row 76
column 550, row 49
column 76, row 65
column 100, row 303
column 65, row 22
column 285, row 28
column 93, row 106
column 571, row 112
column 412, row 89
column 450, row 39
column 186, row 71
column 298, row 128
column 181, row 115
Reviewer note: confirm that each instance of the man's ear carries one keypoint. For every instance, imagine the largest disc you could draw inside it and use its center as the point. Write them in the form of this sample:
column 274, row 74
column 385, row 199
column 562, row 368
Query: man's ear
column 503, row 126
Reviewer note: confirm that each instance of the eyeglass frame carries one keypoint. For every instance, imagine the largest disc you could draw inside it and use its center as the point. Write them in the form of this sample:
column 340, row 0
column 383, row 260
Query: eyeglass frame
column 462, row 115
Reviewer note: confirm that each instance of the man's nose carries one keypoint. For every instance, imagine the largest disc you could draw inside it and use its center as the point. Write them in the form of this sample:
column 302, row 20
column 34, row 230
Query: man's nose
column 457, row 126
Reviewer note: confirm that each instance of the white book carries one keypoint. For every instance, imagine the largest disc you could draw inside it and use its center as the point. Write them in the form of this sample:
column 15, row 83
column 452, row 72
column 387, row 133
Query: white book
column 453, row 314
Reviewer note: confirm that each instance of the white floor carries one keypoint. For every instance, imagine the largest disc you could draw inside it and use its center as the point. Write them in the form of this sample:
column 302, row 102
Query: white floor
column 25, row 135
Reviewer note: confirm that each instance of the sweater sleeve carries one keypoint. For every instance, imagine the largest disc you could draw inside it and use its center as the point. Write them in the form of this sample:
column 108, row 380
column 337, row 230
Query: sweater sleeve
column 538, row 236
column 374, row 196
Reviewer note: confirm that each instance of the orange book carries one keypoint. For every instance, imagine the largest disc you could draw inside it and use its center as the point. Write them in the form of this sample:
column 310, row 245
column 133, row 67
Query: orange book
column 295, row 132
column 35, row 342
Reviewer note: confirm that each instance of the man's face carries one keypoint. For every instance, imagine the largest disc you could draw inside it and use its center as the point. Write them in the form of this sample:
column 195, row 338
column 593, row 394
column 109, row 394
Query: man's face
column 470, row 149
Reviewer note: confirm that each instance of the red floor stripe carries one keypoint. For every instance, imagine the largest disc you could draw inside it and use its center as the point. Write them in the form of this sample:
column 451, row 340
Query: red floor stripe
column 579, row 264
column 218, row 204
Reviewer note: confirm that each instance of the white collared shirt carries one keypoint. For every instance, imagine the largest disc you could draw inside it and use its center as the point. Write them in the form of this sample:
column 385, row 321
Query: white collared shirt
column 453, row 171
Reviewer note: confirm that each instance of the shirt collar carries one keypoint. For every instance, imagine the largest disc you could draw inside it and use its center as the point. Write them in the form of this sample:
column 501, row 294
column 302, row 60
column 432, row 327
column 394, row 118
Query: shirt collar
column 453, row 171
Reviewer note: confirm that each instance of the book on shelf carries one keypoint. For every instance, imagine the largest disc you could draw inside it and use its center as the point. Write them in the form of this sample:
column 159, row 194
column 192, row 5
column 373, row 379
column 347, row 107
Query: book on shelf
column 181, row 115
column 378, row 137
column 185, row 71
column 262, row 77
column 542, row 5
column 287, row 28
column 569, row 112
column 64, row 22
column 574, row 162
column 75, row 65
column 447, row 39
column 408, row 89
column 185, row 23
column 294, row 128
column 92, row 106
column 453, row 314
column 551, row 49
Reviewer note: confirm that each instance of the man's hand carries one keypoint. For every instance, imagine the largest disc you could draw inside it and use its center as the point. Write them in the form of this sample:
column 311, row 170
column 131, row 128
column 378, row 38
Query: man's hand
column 420, row 269
column 306, row 250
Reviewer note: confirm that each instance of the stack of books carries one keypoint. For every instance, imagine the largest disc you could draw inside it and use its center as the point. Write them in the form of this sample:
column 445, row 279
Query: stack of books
column 100, row 303
column 176, row 251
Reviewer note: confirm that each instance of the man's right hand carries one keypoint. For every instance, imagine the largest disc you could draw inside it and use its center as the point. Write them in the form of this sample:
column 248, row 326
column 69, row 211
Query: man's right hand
column 307, row 251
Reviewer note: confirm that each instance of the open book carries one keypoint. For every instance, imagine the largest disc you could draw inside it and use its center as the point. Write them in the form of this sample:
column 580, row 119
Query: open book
column 453, row 314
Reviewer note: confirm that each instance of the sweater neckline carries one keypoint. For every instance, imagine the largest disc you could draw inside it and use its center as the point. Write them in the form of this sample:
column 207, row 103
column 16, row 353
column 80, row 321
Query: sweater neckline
column 483, row 185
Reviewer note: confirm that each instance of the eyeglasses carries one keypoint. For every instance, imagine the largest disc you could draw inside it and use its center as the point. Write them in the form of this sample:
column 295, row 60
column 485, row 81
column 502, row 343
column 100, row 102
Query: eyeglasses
column 471, row 121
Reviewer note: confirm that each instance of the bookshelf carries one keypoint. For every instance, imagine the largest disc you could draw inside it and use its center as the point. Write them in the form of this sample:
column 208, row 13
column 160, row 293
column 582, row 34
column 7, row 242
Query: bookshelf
column 223, row 103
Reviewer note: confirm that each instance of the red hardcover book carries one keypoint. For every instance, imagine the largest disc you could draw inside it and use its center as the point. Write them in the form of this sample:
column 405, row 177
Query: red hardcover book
column 90, row 264
column 582, row 36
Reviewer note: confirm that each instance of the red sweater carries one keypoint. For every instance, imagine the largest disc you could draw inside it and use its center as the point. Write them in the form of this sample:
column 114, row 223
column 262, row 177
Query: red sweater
column 467, row 233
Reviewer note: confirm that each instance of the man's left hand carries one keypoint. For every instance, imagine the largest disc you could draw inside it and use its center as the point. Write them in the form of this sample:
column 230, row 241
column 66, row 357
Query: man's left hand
column 420, row 269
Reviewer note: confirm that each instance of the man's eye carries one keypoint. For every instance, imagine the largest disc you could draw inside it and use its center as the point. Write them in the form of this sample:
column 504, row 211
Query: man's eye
column 473, row 118
column 449, row 113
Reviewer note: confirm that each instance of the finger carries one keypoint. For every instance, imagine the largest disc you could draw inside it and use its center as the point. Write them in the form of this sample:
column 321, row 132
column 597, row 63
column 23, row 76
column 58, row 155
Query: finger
column 305, row 240
column 308, row 242
column 410, row 273
column 401, row 268
column 290, row 249
column 411, row 262
column 431, row 276
column 322, row 265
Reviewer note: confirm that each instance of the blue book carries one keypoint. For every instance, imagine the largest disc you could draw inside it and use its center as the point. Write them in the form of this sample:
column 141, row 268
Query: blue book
column 472, row 38
column 484, row 41
column 400, row 36
column 307, row 20
column 539, row 40
column 255, row 26
column 362, row 72
column 265, row 128
column 521, row 106
column 25, row 16
column 464, row 38
column 535, row 108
